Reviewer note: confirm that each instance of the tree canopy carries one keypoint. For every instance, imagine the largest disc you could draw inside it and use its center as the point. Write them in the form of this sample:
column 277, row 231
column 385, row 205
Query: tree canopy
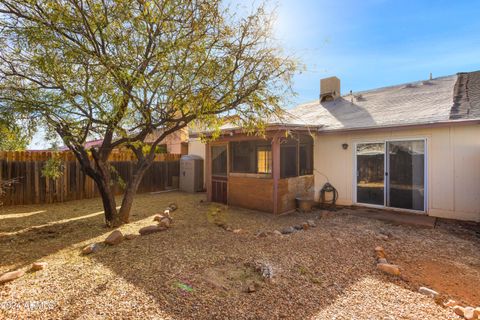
column 13, row 138
column 118, row 70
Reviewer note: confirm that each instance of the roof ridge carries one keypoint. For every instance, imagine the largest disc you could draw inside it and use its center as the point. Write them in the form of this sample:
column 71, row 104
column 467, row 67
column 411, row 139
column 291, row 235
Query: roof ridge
column 400, row 85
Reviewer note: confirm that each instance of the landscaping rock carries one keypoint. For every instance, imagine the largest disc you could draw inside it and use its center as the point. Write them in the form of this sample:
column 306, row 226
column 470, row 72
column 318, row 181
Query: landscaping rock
column 261, row 234
column 382, row 237
column 469, row 313
column 305, row 226
column 10, row 276
column 166, row 212
column 277, row 233
column 36, row 266
column 91, row 248
column 237, row 231
column 450, row 303
column 158, row 217
column 459, row 310
column 288, row 230
column 380, row 252
column 251, row 288
column 151, row 229
column 265, row 269
column 114, row 238
column 311, row 223
column 164, row 223
column 130, row 236
column 220, row 224
column 477, row 312
column 382, row 260
column 298, row 227
column 389, row 268
column 172, row 206
column 428, row 292
column 386, row 232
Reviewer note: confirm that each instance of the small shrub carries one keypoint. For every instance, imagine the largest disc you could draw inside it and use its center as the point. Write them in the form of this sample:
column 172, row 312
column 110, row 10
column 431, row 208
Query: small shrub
column 53, row 168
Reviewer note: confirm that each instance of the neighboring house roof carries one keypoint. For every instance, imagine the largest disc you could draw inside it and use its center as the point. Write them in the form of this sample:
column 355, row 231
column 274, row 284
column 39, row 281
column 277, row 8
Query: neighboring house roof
column 176, row 137
column 88, row 144
column 439, row 100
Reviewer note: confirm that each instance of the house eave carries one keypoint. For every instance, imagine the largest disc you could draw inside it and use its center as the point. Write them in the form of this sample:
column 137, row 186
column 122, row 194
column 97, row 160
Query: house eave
column 401, row 127
column 269, row 128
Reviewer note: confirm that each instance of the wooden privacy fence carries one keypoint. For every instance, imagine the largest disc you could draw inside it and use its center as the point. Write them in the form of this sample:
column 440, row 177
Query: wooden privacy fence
column 32, row 187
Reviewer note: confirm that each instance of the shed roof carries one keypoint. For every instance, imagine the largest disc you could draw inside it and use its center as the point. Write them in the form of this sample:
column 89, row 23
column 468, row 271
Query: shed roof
column 444, row 99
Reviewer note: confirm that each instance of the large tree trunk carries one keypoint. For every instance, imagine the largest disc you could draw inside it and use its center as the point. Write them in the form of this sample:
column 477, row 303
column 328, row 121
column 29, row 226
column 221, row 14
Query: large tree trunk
column 131, row 190
column 101, row 174
column 103, row 178
column 109, row 204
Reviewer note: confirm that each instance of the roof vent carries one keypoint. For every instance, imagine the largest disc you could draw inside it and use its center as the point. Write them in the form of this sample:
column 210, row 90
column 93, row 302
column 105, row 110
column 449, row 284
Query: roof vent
column 329, row 89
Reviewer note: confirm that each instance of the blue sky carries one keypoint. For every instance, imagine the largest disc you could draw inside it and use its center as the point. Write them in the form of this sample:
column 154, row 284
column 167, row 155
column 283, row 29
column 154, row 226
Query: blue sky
column 372, row 43
column 375, row 43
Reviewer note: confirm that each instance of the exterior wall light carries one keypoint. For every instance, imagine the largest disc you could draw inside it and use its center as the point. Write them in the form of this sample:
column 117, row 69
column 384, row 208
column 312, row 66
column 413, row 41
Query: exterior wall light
column 345, row 146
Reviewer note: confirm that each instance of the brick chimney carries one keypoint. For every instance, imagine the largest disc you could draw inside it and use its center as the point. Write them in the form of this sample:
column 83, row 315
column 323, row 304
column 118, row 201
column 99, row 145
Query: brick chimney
column 329, row 89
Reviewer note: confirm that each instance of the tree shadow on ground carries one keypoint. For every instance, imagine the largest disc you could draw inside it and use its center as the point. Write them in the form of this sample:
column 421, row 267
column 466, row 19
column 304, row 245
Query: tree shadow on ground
column 313, row 268
column 199, row 270
column 28, row 233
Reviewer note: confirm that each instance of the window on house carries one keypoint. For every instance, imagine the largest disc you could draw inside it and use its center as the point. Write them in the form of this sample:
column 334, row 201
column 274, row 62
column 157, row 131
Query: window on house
column 264, row 159
column 251, row 156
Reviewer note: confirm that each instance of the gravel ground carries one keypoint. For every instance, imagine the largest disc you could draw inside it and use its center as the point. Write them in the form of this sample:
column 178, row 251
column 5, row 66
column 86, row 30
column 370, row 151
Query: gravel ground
column 198, row 270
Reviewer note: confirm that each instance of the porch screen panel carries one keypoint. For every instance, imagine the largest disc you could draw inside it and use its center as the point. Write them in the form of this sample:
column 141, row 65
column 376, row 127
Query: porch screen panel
column 219, row 160
column 251, row 156
column 370, row 173
column 289, row 159
column 305, row 153
column 406, row 160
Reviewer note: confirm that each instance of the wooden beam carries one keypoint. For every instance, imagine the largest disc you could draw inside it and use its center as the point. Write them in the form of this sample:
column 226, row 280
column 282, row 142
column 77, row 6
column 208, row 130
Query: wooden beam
column 208, row 171
column 275, row 171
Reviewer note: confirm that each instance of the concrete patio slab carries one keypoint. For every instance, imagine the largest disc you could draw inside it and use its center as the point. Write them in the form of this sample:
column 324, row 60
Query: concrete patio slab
column 393, row 216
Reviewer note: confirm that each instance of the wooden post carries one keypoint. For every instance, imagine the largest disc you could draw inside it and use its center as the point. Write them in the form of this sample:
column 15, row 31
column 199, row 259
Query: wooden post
column 208, row 171
column 275, row 171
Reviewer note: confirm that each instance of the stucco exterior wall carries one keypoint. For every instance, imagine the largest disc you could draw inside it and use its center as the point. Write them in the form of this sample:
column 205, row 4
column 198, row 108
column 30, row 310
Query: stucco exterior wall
column 196, row 147
column 453, row 166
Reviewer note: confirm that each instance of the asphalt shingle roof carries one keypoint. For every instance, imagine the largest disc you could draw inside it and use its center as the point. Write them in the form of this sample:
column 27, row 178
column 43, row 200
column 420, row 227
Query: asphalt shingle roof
column 443, row 99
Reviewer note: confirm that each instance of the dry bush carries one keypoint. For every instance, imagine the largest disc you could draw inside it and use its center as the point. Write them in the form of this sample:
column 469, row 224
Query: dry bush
column 5, row 185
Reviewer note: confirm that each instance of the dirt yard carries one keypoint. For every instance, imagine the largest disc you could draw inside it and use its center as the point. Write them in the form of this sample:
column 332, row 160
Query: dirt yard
column 198, row 270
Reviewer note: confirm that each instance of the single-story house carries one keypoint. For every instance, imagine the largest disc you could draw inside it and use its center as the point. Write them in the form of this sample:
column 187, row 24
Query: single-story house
column 411, row 147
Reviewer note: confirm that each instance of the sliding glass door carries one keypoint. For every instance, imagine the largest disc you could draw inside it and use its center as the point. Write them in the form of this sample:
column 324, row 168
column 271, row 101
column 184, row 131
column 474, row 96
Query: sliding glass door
column 370, row 171
column 391, row 173
column 406, row 174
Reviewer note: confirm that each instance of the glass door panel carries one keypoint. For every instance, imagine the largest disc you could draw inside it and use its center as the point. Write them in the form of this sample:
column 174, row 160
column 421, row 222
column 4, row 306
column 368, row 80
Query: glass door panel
column 370, row 173
column 406, row 174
